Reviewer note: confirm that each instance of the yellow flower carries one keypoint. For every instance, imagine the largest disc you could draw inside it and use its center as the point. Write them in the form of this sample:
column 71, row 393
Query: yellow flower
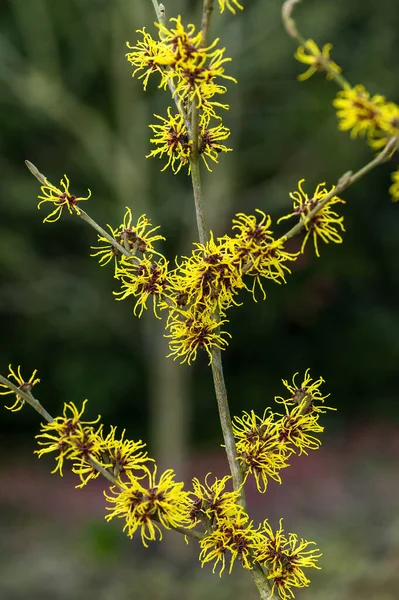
column 61, row 199
column 293, row 429
column 231, row 5
column 257, row 253
column 125, row 455
column 82, row 448
column 252, row 234
column 25, row 386
column 264, row 444
column 258, row 449
column 233, row 537
column 213, row 501
column 194, row 66
column 149, row 56
column 308, row 391
column 196, row 75
column 282, row 583
column 69, row 437
column 117, row 455
column 209, row 278
column 302, row 411
column 184, row 45
column 310, row 54
column 132, row 237
column 326, row 222
column 358, row 112
column 172, row 139
column 143, row 279
column 136, row 237
column 394, row 189
column 195, row 330
column 209, row 142
column 142, row 503
column 284, row 558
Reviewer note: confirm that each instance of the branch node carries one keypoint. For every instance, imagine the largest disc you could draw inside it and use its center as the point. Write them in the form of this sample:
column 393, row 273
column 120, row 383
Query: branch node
column 344, row 180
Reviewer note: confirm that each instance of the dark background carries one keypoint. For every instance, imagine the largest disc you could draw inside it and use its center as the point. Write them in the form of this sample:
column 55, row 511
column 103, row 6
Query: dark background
column 68, row 104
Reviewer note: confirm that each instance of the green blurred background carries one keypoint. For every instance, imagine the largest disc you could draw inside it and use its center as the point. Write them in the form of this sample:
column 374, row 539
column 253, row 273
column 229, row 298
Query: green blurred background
column 68, row 104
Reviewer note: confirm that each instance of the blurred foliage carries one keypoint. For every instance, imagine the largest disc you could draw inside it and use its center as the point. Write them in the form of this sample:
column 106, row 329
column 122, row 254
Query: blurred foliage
column 69, row 104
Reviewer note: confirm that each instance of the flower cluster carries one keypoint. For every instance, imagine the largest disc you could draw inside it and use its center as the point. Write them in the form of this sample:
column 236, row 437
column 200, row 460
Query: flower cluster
column 70, row 438
column 234, row 538
column 206, row 284
column 257, row 253
column 143, row 279
column 22, row 384
column 145, row 502
column 172, row 140
column 211, row 503
column 324, row 223
column 231, row 536
column 265, row 444
column 61, row 199
column 357, row 110
column 285, row 558
column 203, row 286
column 229, row 532
column 137, row 495
column 193, row 72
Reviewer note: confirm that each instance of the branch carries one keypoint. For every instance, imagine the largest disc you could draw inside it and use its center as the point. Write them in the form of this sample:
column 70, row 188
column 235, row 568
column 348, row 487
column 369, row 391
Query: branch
column 34, row 403
column 82, row 214
column 346, row 180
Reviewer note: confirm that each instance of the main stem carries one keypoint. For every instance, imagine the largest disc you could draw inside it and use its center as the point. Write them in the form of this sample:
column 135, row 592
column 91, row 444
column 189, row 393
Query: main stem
column 217, row 365
column 257, row 573
column 203, row 233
